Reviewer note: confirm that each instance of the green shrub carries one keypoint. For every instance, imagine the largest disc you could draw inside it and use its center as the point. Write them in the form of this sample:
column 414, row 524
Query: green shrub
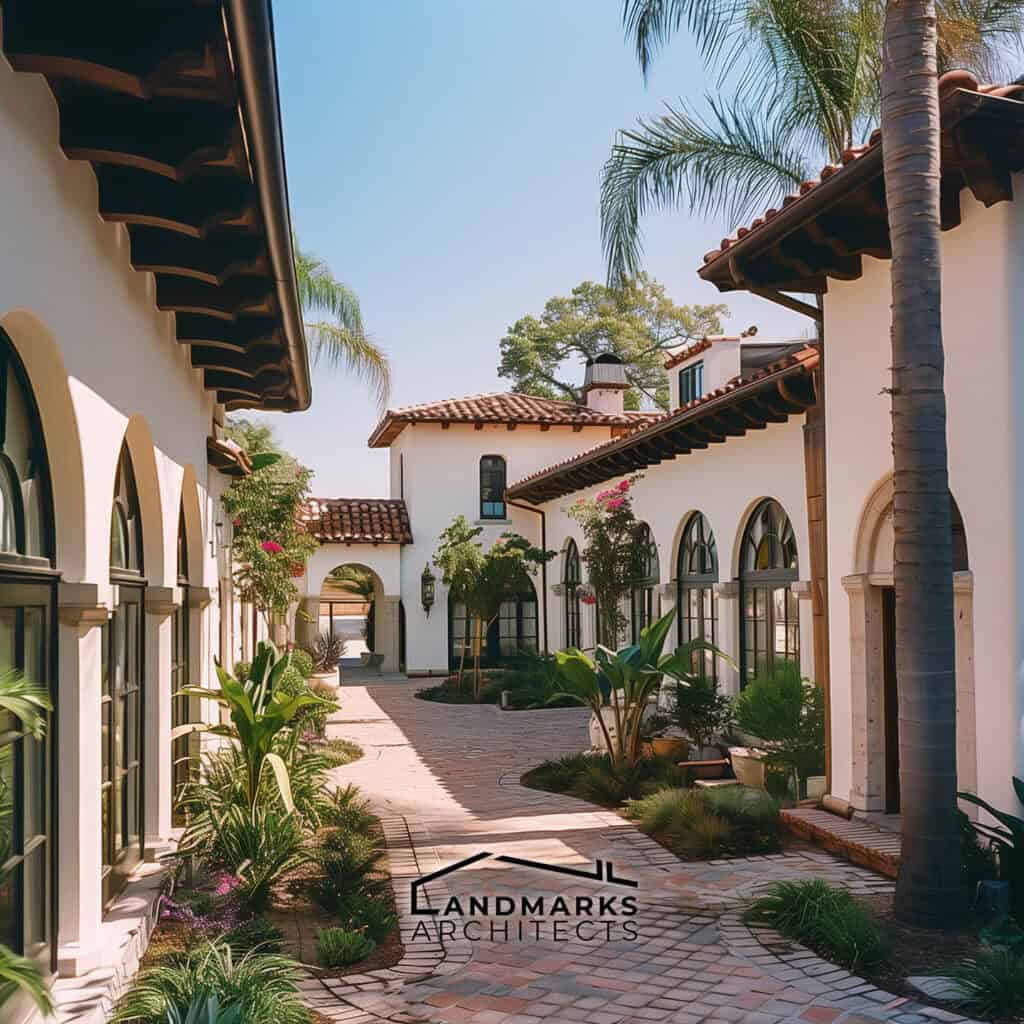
column 448, row 692
column 206, row 1009
column 608, row 785
column 558, row 776
column 827, row 919
column 339, row 947
column 262, row 984
column 686, row 817
column 241, row 671
column 347, row 864
column 348, row 811
column 595, row 778
column 700, row 711
column 373, row 915
column 303, row 661
column 256, row 933
column 745, row 808
column 339, row 752
column 993, row 983
column 259, row 848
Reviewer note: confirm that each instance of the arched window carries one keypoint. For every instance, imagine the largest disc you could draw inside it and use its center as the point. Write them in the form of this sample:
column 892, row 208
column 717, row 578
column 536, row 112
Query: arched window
column 121, row 702
column 27, row 648
column 769, row 622
column 183, row 748
column 642, row 591
column 571, row 579
column 697, row 601
column 492, row 487
column 513, row 632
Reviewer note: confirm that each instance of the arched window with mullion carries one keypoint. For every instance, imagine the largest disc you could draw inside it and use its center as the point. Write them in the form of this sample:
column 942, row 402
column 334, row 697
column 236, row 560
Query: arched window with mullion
column 697, row 600
column 493, row 477
column 642, row 590
column 184, row 749
column 572, row 577
column 769, row 618
column 121, row 695
column 27, row 650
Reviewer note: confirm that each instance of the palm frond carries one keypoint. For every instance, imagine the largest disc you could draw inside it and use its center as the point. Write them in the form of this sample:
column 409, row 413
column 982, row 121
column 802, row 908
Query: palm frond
column 652, row 23
column 738, row 159
column 339, row 346
column 979, row 35
column 26, row 701
column 17, row 974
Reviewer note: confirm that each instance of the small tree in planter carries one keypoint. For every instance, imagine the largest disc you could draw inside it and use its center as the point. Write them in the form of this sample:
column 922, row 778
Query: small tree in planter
column 701, row 712
column 787, row 712
column 610, row 552
column 483, row 581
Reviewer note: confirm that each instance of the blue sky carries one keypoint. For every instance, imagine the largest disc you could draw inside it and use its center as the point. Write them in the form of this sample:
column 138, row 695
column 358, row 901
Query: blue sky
column 443, row 156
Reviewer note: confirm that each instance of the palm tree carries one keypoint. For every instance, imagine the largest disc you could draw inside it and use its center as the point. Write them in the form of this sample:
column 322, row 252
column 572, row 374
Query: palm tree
column 335, row 324
column 805, row 85
column 928, row 890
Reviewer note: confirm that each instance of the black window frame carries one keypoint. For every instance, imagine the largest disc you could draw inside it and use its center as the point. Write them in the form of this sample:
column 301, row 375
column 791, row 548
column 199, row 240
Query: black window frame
column 642, row 601
column 769, row 566
column 696, row 591
column 184, row 749
column 493, row 479
column 691, row 382
column 28, row 594
column 572, row 579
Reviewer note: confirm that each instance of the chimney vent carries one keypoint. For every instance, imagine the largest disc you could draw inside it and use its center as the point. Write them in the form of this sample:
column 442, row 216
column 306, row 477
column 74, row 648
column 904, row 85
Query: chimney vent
column 604, row 383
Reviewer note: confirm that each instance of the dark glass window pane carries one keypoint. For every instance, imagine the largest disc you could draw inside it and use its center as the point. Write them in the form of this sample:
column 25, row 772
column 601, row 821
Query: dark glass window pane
column 10, row 930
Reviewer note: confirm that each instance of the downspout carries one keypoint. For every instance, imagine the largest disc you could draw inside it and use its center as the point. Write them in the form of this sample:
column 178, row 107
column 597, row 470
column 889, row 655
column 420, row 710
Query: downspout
column 544, row 565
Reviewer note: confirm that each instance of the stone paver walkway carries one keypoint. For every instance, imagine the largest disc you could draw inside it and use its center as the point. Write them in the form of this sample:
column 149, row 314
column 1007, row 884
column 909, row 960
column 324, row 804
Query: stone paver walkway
column 444, row 778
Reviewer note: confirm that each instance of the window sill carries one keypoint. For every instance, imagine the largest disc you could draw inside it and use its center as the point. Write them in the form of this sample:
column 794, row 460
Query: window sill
column 492, row 522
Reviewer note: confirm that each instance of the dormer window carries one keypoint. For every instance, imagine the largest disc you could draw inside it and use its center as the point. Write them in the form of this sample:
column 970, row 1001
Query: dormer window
column 691, row 382
column 492, row 487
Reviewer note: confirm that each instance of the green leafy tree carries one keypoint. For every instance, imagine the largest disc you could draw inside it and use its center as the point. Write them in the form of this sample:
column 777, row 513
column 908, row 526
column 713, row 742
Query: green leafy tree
column 334, row 327
column 795, row 83
column 268, row 542
column 638, row 323
column 484, row 580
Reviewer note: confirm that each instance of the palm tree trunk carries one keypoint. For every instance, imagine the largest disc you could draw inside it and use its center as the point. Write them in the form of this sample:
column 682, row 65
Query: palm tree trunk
column 928, row 890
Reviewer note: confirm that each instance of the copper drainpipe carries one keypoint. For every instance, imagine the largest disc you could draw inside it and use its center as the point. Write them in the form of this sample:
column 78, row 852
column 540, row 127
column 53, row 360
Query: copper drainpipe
column 544, row 565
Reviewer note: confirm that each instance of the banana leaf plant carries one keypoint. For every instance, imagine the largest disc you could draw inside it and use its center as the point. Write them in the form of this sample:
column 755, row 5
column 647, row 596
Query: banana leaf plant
column 625, row 680
column 1007, row 837
column 259, row 712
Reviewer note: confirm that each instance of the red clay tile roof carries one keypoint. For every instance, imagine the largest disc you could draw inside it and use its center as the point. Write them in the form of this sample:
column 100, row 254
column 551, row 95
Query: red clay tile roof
column 950, row 81
column 499, row 407
column 694, row 347
column 357, row 520
column 804, row 361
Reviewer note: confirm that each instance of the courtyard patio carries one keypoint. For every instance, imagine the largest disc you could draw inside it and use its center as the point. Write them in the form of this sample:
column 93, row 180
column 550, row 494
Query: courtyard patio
column 445, row 781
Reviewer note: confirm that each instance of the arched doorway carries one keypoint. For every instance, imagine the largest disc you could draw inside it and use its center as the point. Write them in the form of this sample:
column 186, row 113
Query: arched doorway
column 769, row 615
column 873, row 682
column 27, row 647
column 349, row 597
column 513, row 632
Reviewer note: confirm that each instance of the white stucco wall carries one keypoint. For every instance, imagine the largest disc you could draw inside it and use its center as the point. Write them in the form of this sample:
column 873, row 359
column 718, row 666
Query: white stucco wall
column 983, row 275
column 441, row 480
column 105, row 367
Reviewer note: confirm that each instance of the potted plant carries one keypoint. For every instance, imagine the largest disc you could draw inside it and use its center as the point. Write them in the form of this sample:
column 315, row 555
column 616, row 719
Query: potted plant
column 702, row 713
column 328, row 650
column 787, row 713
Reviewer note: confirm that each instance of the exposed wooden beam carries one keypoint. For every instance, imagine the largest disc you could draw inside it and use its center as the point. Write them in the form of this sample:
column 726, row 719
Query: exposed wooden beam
column 213, row 260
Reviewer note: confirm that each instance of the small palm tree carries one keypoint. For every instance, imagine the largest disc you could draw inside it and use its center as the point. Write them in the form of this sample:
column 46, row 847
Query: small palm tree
column 334, row 325
column 805, row 85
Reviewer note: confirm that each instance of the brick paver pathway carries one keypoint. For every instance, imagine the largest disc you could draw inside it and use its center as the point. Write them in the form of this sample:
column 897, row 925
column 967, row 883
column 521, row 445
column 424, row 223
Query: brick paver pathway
column 444, row 779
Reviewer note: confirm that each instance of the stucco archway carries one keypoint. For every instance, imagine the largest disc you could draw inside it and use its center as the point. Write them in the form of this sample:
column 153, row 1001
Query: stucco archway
column 874, row 716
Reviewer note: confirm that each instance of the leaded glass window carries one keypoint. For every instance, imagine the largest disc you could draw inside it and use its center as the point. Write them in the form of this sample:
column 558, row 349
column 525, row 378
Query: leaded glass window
column 697, row 599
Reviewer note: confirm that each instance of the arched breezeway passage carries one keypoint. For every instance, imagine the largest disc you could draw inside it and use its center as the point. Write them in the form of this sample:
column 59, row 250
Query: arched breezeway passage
column 873, row 683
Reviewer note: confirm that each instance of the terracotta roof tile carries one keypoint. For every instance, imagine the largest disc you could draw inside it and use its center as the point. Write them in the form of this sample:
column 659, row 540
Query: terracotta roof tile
column 357, row 520
column 950, row 81
column 499, row 407
column 806, row 358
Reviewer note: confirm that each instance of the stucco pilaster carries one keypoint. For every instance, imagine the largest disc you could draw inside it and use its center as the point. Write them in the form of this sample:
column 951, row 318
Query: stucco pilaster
column 307, row 622
column 728, row 635
column 386, row 631
column 161, row 603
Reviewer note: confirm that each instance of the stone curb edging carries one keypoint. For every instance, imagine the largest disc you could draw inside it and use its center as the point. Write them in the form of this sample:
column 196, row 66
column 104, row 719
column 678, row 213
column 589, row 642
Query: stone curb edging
column 356, row 998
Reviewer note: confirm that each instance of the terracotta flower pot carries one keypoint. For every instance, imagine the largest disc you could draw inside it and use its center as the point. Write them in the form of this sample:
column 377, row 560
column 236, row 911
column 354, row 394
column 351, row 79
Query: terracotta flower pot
column 670, row 746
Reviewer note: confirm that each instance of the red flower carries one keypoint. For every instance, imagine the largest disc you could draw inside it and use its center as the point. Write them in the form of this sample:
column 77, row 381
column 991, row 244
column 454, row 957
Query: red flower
column 623, row 485
column 272, row 547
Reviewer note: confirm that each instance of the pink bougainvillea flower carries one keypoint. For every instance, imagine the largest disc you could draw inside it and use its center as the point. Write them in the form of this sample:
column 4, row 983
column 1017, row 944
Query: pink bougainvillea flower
column 226, row 884
column 616, row 503
column 623, row 485
column 236, row 522
column 272, row 547
column 589, row 599
column 605, row 495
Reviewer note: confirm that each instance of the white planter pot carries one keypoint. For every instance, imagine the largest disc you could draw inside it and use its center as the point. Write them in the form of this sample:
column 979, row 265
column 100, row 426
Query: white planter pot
column 327, row 682
column 816, row 787
column 608, row 715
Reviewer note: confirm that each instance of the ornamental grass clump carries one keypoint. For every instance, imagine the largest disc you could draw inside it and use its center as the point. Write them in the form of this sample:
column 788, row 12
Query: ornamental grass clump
column 827, row 919
column 339, row 947
column 262, row 984
column 373, row 915
column 347, row 866
column 992, row 984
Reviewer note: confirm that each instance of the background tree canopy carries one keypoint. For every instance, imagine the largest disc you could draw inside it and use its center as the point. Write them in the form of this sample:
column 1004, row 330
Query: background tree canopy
column 544, row 356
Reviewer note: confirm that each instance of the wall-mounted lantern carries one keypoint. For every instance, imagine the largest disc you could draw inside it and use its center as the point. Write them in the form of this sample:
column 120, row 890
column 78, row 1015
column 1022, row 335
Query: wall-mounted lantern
column 427, row 586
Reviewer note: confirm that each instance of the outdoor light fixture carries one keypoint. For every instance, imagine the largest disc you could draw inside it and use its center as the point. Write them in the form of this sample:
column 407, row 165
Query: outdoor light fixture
column 427, row 583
